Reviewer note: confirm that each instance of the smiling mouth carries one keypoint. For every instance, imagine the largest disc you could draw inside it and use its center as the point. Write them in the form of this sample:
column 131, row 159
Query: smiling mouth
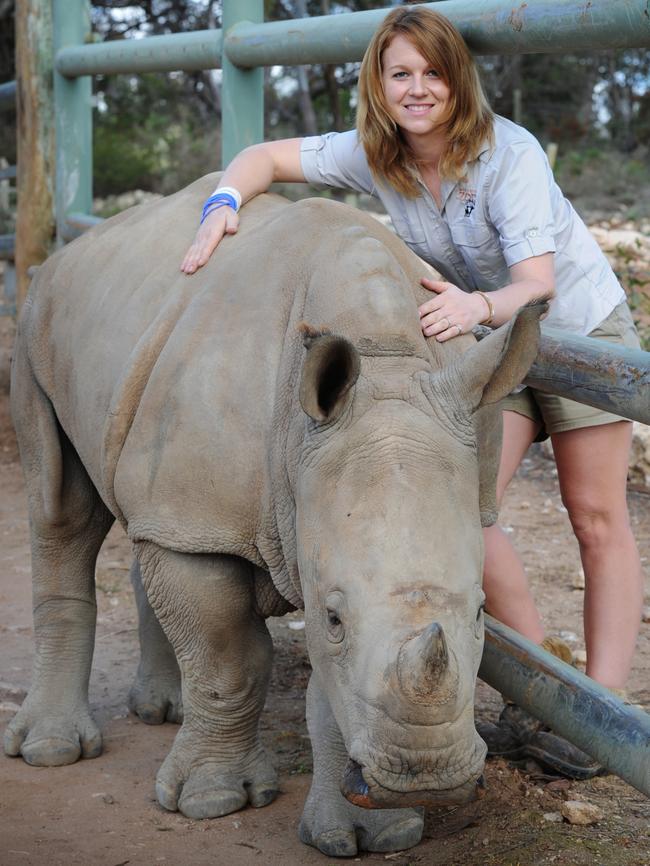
column 419, row 109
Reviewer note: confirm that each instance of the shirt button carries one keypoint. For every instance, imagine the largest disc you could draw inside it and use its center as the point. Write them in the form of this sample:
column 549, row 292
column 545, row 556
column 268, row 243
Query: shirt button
column 532, row 233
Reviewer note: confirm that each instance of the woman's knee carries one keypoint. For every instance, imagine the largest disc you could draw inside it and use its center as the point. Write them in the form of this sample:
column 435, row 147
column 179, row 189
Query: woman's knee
column 597, row 523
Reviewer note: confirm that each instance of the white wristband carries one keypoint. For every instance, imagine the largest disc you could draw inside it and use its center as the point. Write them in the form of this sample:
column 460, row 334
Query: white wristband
column 230, row 190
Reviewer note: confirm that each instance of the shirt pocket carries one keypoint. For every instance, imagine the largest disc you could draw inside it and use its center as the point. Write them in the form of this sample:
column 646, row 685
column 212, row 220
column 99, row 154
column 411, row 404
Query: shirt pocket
column 479, row 248
column 412, row 235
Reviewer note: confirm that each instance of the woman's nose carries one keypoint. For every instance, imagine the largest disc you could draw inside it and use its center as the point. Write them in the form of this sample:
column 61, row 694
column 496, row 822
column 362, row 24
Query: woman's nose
column 417, row 85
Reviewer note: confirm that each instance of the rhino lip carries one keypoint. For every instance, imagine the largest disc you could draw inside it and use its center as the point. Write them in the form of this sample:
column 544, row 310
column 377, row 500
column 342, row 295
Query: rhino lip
column 356, row 790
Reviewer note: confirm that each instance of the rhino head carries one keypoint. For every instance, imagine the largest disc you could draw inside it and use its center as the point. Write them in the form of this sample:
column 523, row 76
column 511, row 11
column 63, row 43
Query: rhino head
column 390, row 556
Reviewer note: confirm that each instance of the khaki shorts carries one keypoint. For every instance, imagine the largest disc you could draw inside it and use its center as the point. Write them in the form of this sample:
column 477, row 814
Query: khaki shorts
column 557, row 414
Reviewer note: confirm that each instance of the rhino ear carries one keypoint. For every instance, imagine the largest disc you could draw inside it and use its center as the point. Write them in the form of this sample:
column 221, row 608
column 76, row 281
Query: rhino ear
column 490, row 370
column 330, row 369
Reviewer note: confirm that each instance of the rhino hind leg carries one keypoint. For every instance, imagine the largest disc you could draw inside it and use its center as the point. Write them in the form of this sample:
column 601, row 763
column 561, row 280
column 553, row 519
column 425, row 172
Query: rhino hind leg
column 68, row 523
column 329, row 822
column 155, row 696
column 206, row 605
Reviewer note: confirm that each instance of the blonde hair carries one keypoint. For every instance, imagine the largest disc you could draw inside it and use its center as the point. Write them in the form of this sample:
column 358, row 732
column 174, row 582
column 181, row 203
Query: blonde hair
column 469, row 119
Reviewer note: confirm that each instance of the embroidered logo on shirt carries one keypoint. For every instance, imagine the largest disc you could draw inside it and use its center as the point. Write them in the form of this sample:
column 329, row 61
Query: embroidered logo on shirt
column 468, row 197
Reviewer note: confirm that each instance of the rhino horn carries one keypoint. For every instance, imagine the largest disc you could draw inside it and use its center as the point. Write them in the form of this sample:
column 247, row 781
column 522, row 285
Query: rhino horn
column 423, row 662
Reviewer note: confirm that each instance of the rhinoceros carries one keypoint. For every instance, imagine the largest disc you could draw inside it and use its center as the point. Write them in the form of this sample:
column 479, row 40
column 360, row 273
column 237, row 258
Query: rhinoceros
column 274, row 432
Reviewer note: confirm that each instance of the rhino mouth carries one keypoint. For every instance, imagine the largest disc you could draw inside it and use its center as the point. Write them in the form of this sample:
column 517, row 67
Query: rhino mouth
column 358, row 787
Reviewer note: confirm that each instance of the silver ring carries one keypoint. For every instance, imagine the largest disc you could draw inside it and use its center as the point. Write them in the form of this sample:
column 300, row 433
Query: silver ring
column 460, row 330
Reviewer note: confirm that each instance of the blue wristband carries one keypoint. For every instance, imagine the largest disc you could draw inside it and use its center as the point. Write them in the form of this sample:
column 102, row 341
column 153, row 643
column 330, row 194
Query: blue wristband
column 207, row 209
column 222, row 199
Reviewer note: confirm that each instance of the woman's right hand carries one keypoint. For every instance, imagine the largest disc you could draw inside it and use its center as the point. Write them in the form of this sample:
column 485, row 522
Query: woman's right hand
column 222, row 221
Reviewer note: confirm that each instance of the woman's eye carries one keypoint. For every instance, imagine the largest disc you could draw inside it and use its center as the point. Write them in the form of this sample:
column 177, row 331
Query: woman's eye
column 432, row 74
column 399, row 75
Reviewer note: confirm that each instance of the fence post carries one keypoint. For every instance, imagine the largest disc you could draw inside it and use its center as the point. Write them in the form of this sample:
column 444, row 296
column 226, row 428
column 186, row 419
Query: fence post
column 242, row 98
column 73, row 111
column 35, row 134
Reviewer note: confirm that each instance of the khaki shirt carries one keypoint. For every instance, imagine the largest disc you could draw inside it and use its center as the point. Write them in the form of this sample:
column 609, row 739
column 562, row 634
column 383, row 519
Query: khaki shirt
column 508, row 208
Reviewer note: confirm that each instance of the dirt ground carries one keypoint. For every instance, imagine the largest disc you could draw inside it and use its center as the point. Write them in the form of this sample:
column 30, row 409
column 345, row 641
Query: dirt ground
column 102, row 812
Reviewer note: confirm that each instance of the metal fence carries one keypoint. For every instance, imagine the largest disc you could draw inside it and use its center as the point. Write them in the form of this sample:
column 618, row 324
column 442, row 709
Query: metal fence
column 246, row 44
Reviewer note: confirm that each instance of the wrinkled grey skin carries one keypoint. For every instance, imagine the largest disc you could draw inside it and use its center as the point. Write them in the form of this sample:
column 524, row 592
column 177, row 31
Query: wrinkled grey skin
column 260, row 464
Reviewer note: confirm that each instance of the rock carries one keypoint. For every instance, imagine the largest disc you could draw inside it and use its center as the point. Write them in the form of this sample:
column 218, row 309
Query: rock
column 639, row 467
column 554, row 817
column 577, row 812
column 580, row 657
column 645, row 616
column 546, row 447
column 578, row 581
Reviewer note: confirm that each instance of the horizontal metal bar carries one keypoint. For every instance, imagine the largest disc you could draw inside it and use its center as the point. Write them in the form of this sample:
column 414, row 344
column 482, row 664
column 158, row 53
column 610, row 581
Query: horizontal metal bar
column 178, row 51
column 7, row 247
column 572, row 704
column 489, row 27
column 605, row 375
column 8, row 95
column 75, row 224
column 8, row 173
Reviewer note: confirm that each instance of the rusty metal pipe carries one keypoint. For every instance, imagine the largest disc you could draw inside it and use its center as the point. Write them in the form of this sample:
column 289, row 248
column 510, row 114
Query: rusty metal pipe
column 572, row 704
column 601, row 374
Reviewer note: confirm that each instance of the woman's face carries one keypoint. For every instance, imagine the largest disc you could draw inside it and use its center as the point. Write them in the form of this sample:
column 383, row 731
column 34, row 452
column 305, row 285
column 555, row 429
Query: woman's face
column 416, row 98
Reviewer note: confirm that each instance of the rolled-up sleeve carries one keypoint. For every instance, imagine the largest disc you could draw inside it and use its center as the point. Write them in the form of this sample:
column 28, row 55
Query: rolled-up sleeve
column 520, row 203
column 336, row 159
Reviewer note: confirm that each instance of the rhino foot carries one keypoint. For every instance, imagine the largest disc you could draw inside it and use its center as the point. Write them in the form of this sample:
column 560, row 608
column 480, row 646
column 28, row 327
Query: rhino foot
column 156, row 701
column 52, row 740
column 210, row 789
column 342, row 830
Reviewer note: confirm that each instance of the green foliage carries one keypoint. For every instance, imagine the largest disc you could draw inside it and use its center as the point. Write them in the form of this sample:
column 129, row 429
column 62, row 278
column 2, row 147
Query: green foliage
column 148, row 137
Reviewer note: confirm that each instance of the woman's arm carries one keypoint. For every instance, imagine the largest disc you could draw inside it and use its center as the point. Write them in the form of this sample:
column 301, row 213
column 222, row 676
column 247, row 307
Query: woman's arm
column 453, row 311
column 251, row 172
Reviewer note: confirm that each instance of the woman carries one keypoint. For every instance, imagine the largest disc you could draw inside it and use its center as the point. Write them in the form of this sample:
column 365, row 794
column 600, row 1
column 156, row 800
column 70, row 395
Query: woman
column 473, row 194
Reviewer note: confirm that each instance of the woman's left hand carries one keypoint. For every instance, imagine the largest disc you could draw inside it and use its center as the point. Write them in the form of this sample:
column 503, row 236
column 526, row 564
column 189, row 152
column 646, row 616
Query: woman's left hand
column 450, row 312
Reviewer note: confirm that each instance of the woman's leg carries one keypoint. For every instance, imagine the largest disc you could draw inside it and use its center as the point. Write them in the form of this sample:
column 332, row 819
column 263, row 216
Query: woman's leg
column 508, row 597
column 592, row 469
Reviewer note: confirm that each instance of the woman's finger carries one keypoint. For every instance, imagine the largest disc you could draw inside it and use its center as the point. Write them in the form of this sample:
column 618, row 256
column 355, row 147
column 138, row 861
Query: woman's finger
column 435, row 285
column 218, row 223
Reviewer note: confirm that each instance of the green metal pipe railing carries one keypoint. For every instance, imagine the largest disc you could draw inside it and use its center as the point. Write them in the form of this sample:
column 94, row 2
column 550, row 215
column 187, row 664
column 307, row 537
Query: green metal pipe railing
column 575, row 706
column 610, row 377
column 489, row 27
column 73, row 116
column 189, row 52
column 604, row 375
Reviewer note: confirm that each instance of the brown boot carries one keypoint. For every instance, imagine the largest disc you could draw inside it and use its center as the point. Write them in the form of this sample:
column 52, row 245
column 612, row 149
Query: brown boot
column 518, row 735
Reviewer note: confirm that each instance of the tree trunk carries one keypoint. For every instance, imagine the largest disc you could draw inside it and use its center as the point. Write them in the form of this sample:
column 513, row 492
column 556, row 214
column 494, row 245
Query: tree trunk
column 35, row 224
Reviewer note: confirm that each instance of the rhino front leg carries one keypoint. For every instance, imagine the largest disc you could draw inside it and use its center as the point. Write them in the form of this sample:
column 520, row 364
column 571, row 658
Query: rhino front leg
column 205, row 604
column 156, row 693
column 329, row 822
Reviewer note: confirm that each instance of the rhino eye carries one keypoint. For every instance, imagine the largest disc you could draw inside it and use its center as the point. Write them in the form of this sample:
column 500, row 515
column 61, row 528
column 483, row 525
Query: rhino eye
column 335, row 630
